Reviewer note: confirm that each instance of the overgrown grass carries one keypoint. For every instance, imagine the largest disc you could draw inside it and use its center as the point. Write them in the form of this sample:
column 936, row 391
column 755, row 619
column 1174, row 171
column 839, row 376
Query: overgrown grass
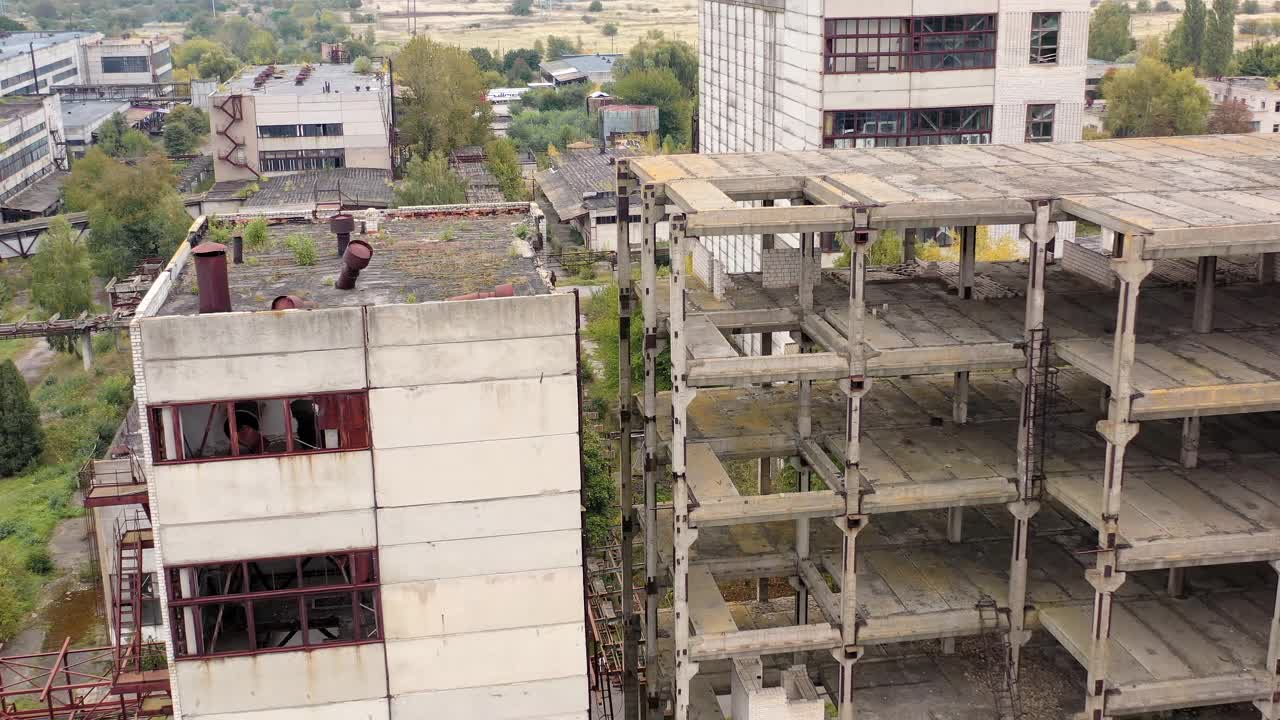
column 80, row 412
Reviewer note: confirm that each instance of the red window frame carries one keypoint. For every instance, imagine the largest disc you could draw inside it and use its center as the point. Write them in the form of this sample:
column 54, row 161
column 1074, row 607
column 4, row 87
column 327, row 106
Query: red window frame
column 362, row 562
column 912, row 40
column 352, row 413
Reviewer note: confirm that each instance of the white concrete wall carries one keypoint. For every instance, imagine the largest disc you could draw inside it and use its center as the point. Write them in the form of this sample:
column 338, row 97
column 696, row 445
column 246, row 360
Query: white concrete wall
column 94, row 52
column 48, row 112
column 1019, row 83
column 474, row 411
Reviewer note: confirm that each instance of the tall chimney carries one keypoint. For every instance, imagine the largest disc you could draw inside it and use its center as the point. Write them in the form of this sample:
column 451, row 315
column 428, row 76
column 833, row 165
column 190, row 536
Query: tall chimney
column 342, row 225
column 211, row 277
column 355, row 259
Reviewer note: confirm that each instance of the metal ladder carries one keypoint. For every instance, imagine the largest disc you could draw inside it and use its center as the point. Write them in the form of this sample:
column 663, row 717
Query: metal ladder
column 998, row 657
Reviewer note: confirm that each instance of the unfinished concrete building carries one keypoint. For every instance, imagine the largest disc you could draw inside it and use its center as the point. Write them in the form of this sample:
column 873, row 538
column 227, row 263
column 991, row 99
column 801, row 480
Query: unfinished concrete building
column 355, row 487
column 1076, row 458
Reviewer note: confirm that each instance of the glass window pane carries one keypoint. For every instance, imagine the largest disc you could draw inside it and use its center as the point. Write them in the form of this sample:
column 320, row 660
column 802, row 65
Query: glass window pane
column 277, row 623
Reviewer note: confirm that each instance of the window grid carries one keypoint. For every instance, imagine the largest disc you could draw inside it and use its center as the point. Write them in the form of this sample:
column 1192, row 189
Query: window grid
column 1040, row 123
column 292, row 160
column 126, row 64
column 921, row 44
column 902, row 128
column 1044, row 37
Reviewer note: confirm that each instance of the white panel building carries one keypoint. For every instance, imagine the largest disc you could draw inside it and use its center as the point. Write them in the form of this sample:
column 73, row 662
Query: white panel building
column 281, row 119
column 368, row 507
column 127, row 61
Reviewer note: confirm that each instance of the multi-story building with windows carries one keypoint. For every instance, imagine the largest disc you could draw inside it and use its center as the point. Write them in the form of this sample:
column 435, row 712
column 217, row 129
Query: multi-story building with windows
column 281, row 119
column 808, row 74
column 32, row 62
column 28, row 140
column 127, row 61
column 1257, row 94
column 360, row 499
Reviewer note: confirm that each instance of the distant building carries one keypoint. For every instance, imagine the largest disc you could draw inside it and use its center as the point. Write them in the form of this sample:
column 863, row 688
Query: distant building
column 1259, row 94
column 1095, row 71
column 29, row 127
column 593, row 69
column 126, row 61
column 82, row 118
column 31, row 62
column 501, row 96
column 281, row 119
column 627, row 125
column 579, row 194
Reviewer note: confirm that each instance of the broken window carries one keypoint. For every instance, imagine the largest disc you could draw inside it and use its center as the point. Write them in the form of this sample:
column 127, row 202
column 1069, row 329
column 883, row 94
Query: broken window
column 941, row 42
column 902, row 128
column 192, row 432
column 1040, row 123
column 1044, row 37
column 256, row 606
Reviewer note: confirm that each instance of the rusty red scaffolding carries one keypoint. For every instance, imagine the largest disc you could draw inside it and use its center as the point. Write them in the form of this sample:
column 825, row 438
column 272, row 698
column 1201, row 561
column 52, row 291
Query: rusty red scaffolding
column 76, row 684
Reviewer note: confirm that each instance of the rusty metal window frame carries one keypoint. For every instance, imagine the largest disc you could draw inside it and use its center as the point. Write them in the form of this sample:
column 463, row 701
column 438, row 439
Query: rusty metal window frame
column 352, row 424
column 904, row 127
column 1046, row 30
column 916, row 44
column 181, row 608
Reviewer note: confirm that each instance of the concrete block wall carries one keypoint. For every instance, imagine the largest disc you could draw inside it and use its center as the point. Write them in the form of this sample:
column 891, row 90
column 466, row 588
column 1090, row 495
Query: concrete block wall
column 1088, row 263
column 780, row 267
column 710, row 269
column 738, row 49
column 474, row 410
column 1019, row 83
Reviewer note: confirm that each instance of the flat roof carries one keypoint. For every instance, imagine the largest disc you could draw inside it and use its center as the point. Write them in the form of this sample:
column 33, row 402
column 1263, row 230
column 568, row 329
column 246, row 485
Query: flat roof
column 341, row 78
column 16, row 106
column 353, row 187
column 20, row 43
column 79, row 113
column 1184, row 196
column 420, row 255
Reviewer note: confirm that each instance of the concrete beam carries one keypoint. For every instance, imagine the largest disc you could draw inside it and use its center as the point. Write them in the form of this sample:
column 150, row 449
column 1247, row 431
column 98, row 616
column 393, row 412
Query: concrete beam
column 755, row 321
column 823, row 333
column 741, row 510
column 932, row 496
column 704, row 340
column 698, row 196
column 1004, row 211
column 1244, row 686
column 819, row 191
column 817, row 585
column 767, row 641
column 1167, row 403
column 748, row 567
column 759, row 369
column 770, row 220
column 822, row 464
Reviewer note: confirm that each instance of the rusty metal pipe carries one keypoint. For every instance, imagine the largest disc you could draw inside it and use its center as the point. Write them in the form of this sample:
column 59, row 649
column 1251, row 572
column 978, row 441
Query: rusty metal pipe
column 356, row 258
column 211, row 277
column 342, row 225
column 505, row 290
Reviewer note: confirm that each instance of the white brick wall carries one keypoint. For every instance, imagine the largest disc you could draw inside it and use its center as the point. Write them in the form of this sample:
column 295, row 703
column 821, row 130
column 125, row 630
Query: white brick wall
column 780, row 267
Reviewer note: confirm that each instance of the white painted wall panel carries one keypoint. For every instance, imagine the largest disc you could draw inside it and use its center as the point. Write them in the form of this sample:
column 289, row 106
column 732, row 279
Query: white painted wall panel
column 361, row 710
column 473, row 411
column 281, row 680
column 561, row 697
column 264, row 487
column 467, row 320
column 250, row 333
column 255, row 375
column 455, row 521
column 480, row 556
column 297, row 535
column 488, row 658
column 509, row 468
column 407, row 365
column 433, row 608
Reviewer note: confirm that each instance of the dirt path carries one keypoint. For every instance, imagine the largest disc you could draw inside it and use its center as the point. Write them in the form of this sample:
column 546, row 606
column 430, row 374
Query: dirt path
column 35, row 361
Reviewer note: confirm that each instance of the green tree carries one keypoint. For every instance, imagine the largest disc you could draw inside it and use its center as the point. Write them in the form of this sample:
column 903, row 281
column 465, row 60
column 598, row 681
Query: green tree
column 193, row 118
column 557, row 47
column 8, row 24
column 1232, row 117
column 661, row 88
column 1143, row 6
column 1250, row 7
column 1219, row 38
column 61, row 280
column 503, row 163
column 521, row 7
column 485, row 59
column 443, row 103
column 21, row 437
column 429, row 181
column 609, row 29
column 134, row 210
column 565, row 97
column 1109, row 35
column 595, row 6
column 655, row 51
column 1260, row 59
column 1186, row 43
column 218, row 63
column 261, row 48
column 535, row 130
column 1150, row 100
column 362, row 65
column 178, row 139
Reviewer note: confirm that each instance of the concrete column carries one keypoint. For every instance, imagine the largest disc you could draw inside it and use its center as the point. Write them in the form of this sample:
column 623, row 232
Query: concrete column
column 855, row 387
column 807, row 274
column 1267, row 264
column 1118, row 432
column 652, row 214
column 968, row 260
column 909, row 246
column 1201, row 322
column 683, row 534
column 1271, row 708
column 630, row 622
column 960, row 398
column 1177, row 582
column 86, row 350
column 764, row 471
column 1027, row 505
column 804, row 429
column 955, row 524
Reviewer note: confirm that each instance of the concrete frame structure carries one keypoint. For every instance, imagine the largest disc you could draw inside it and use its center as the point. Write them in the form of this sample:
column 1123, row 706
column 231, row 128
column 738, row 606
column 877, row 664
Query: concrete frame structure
column 1205, row 200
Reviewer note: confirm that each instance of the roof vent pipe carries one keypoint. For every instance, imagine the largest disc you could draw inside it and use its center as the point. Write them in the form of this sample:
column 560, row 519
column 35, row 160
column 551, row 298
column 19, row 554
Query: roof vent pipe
column 355, row 259
column 289, row 302
column 342, row 225
column 211, row 277
column 237, row 250
column 499, row 291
